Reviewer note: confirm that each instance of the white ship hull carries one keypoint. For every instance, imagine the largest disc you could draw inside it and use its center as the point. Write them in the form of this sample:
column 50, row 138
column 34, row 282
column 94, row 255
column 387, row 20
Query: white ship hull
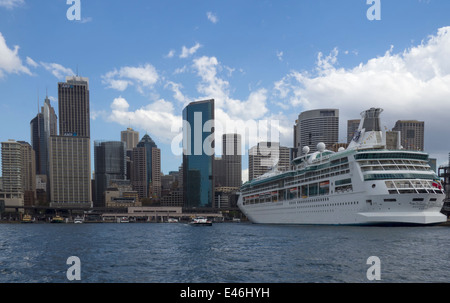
column 349, row 209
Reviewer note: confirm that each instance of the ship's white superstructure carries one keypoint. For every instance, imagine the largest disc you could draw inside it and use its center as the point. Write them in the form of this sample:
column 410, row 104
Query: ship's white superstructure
column 363, row 184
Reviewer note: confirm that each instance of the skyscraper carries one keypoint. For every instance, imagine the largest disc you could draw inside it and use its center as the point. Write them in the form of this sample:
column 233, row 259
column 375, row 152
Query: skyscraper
column 139, row 172
column 266, row 156
column 411, row 134
column 198, row 153
column 110, row 165
column 352, row 127
column 73, row 105
column 232, row 155
column 70, row 153
column 70, row 171
column 42, row 127
column 153, row 166
column 314, row 126
column 130, row 137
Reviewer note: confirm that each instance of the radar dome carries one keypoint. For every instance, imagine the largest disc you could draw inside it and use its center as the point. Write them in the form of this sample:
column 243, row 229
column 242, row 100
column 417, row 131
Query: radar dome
column 306, row 149
column 341, row 149
column 321, row 147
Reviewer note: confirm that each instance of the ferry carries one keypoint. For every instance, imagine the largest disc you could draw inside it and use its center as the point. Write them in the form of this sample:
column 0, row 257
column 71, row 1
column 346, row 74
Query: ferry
column 364, row 184
column 124, row 220
column 27, row 219
column 200, row 221
column 57, row 219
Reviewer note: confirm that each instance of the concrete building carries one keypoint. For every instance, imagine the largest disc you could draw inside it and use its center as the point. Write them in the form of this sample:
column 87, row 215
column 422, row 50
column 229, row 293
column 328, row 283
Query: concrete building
column 139, row 172
column 42, row 127
column 412, row 134
column 18, row 173
column 232, row 156
column 73, row 106
column 153, row 166
column 130, row 137
column 352, row 127
column 70, row 152
column 267, row 156
column 314, row 126
column 70, row 171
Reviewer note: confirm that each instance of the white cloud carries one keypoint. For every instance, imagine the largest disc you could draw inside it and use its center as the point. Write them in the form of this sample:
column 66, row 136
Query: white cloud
column 31, row 62
column 57, row 70
column 10, row 4
column 141, row 77
column 10, row 61
column 186, row 52
column 213, row 86
column 212, row 17
column 170, row 54
column 156, row 118
column 177, row 94
column 280, row 55
column 413, row 84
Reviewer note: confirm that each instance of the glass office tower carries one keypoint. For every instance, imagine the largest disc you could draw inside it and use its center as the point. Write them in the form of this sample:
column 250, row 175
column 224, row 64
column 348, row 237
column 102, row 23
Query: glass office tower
column 198, row 154
column 110, row 164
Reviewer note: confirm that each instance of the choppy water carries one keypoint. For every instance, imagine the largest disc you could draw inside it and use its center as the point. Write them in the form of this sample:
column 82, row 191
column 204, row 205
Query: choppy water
column 230, row 253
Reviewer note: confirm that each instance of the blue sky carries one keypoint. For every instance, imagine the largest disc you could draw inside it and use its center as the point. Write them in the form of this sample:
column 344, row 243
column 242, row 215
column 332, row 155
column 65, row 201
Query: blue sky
column 146, row 60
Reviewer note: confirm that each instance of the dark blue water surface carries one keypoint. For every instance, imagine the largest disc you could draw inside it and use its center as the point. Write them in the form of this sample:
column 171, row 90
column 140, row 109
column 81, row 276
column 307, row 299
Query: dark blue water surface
column 231, row 253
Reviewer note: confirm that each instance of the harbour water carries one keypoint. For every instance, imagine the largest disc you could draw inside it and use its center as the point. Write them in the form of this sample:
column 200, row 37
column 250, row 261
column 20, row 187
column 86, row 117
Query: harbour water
column 224, row 252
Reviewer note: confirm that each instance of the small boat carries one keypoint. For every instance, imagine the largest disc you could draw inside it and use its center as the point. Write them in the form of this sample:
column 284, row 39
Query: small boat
column 57, row 219
column 200, row 221
column 124, row 220
column 172, row 220
column 27, row 219
column 78, row 220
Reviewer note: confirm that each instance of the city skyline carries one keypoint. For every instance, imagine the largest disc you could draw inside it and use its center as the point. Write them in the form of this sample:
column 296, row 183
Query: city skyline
column 279, row 60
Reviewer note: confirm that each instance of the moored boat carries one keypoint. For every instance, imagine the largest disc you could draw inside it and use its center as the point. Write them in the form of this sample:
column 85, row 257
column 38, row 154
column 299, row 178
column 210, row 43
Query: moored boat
column 57, row 219
column 27, row 219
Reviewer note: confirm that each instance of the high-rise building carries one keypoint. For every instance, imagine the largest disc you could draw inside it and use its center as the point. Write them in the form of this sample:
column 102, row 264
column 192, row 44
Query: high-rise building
column 411, row 134
column 130, row 137
column 70, row 171
column 18, row 173
column 70, row 153
column 198, row 154
column 39, row 144
column 110, row 164
column 153, row 164
column 139, row 172
column 232, row 155
column 42, row 127
column 12, row 166
column 352, row 127
column 73, row 106
column 267, row 156
column 314, row 126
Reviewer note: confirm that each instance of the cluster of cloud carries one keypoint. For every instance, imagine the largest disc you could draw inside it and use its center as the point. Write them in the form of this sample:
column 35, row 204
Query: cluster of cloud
column 410, row 85
column 10, row 61
column 212, row 17
column 413, row 84
column 10, row 4
column 185, row 51
column 141, row 77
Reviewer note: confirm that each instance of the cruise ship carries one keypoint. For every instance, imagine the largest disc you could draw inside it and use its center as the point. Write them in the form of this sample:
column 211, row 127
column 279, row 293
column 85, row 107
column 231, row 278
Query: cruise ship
column 364, row 184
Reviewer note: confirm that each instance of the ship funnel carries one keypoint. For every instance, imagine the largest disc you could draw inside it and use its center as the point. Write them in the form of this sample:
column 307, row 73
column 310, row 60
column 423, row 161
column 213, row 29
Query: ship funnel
column 369, row 134
column 371, row 119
